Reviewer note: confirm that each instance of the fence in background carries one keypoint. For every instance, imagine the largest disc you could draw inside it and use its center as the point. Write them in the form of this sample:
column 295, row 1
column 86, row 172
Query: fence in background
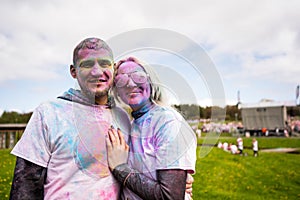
column 10, row 134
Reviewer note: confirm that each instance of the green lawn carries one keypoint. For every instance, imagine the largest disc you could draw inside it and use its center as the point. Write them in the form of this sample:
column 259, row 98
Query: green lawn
column 7, row 164
column 221, row 175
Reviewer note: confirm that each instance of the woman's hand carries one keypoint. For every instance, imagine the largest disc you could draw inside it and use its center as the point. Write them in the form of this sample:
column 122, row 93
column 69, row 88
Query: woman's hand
column 189, row 185
column 117, row 149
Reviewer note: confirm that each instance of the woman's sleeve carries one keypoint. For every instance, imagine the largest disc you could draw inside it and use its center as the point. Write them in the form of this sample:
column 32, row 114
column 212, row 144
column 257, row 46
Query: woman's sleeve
column 170, row 183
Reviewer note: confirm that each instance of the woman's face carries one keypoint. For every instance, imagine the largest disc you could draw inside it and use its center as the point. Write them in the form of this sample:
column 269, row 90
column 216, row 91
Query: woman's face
column 132, row 85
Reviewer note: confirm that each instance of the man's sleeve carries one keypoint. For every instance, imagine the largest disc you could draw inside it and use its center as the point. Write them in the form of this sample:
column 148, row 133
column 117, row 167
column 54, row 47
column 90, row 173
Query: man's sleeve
column 34, row 144
column 28, row 181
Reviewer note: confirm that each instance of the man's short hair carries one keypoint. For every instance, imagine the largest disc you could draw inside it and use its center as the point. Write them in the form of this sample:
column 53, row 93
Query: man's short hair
column 91, row 43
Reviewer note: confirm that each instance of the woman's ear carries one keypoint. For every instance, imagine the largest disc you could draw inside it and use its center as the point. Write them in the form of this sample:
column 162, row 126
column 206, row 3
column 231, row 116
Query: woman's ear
column 73, row 71
column 115, row 67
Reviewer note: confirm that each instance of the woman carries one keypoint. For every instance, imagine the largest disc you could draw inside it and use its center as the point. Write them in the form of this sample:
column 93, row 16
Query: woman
column 162, row 145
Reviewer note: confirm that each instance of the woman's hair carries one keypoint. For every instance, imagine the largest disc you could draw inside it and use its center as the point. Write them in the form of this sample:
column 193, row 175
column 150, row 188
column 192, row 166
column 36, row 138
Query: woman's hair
column 157, row 94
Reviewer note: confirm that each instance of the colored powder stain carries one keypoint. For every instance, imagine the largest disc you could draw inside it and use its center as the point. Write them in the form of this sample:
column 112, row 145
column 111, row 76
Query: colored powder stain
column 108, row 195
column 89, row 164
column 85, row 161
column 68, row 195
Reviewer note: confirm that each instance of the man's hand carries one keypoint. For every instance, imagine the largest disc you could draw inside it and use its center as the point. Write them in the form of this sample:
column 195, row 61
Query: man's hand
column 117, row 149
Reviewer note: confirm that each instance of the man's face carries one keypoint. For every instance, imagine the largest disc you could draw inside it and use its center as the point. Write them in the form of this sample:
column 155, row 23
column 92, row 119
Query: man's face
column 94, row 72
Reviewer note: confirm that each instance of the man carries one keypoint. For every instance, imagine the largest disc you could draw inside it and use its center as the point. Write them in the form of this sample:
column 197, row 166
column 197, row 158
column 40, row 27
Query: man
column 62, row 153
column 240, row 145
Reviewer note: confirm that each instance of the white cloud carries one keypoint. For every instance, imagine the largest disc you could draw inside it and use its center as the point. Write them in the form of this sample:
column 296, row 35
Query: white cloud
column 246, row 39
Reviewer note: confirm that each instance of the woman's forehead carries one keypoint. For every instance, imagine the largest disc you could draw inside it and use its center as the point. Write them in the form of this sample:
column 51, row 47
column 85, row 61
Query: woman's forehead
column 128, row 67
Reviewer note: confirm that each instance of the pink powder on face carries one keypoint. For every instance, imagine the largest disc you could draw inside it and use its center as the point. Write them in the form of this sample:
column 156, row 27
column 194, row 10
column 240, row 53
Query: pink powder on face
column 133, row 94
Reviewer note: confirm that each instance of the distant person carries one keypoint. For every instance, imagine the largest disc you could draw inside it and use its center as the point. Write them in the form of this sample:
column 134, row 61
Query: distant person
column 286, row 133
column 198, row 132
column 240, row 145
column 233, row 149
column 264, row 131
column 255, row 147
column 220, row 145
column 277, row 131
column 225, row 146
column 297, row 128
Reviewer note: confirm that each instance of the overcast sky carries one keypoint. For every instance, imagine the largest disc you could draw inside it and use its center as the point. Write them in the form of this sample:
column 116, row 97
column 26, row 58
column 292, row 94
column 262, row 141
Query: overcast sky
column 254, row 45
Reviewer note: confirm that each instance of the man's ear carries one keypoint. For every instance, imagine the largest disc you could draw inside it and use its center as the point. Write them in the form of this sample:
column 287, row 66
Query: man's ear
column 73, row 71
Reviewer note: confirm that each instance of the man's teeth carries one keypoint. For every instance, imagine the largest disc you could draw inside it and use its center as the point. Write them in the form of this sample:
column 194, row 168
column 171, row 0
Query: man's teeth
column 99, row 81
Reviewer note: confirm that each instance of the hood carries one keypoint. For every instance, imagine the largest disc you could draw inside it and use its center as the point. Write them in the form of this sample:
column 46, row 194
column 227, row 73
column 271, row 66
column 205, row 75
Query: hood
column 76, row 96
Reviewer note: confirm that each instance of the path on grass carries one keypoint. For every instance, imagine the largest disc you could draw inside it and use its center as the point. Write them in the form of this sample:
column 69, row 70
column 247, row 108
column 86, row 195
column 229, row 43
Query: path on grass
column 281, row 150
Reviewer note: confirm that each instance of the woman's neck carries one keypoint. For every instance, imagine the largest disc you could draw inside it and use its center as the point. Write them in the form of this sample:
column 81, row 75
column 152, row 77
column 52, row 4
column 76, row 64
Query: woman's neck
column 138, row 112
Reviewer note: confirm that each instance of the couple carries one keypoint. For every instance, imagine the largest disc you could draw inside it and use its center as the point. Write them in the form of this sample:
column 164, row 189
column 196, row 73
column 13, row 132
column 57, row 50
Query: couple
column 64, row 151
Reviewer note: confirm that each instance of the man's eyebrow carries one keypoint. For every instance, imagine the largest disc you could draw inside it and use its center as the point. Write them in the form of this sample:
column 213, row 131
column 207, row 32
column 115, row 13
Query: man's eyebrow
column 105, row 61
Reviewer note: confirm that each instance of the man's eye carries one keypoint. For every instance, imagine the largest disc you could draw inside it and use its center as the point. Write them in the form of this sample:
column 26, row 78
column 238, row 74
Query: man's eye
column 105, row 63
column 87, row 64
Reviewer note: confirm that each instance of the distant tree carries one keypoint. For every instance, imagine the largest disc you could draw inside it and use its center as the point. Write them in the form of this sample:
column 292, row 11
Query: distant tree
column 14, row 117
column 232, row 112
column 207, row 112
column 193, row 111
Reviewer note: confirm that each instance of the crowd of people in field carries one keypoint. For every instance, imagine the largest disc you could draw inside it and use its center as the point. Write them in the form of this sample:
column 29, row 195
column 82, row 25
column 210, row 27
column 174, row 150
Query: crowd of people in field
column 238, row 148
column 229, row 127
column 293, row 126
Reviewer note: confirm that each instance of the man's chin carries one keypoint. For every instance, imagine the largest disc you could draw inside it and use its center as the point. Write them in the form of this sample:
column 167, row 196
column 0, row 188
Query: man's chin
column 101, row 94
column 97, row 94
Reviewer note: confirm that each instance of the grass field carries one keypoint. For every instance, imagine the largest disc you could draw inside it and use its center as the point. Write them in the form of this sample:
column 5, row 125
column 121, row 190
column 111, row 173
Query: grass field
column 7, row 164
column 221, row 175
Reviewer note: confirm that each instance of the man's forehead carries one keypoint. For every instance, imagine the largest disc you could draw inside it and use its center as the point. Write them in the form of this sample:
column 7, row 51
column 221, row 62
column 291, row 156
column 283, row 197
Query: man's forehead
column 89, row 48
column 94, row 54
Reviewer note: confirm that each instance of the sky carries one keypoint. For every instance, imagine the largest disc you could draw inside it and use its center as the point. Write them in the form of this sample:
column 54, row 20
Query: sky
column 250, row 47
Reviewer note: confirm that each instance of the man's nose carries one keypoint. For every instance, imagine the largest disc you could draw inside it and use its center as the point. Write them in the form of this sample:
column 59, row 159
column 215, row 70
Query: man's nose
column 97, row 70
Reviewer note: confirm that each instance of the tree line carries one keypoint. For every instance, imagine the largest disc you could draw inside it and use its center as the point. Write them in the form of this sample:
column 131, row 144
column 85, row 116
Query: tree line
column 189, row 111
column 192, row 111
column 14, row 117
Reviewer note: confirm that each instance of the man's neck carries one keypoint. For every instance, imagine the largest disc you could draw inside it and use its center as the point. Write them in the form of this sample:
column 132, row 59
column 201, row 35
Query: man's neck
column 101, row 100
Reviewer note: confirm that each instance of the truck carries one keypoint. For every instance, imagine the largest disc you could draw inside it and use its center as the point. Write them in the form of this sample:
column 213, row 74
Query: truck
column 265, row 118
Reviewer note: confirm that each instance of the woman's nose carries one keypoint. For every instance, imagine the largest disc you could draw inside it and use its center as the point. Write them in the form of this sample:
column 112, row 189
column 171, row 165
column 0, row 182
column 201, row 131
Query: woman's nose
column 131, row 83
